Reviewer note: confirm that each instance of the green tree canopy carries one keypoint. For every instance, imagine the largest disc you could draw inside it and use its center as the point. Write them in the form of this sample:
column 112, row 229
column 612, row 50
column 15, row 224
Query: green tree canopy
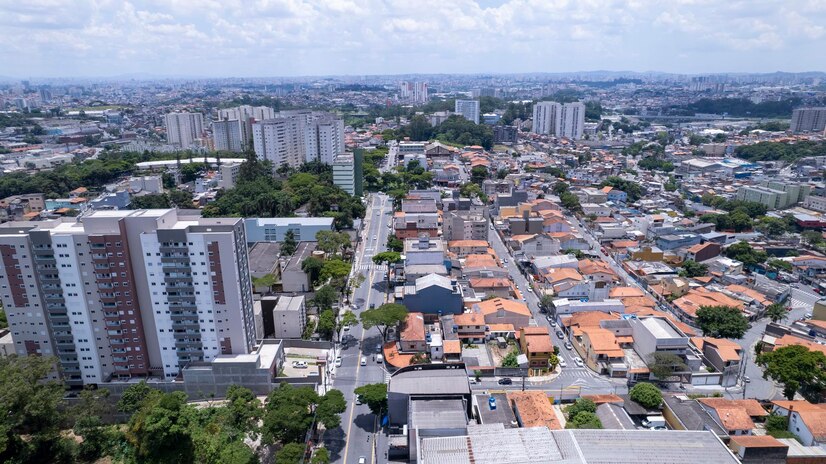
column 312, row 266
column 374, row 395
column 289, row 245
column 647, row 395
column 722, row 321
column 384, row 317
column 776, row 312
column 584, row 420
column 664, row 365
column 691, row 268
column 743, row 252
column 797, row 368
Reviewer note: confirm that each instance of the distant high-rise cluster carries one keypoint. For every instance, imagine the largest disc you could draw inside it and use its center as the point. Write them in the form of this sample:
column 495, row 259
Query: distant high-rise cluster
column 808, row 120
column 184, row 129
column 127, row 293
column 415, row 92
column 469, row 109
column 295, row 137
column 558, row 119
column 233, row 129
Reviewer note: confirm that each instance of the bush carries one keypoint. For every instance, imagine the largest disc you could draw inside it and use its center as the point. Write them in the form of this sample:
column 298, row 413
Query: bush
column 581, row 405
column 647, row 395
column 584, row 420
column 775, row 422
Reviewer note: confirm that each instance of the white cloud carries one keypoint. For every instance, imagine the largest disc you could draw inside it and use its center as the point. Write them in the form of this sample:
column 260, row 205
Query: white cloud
column 279, row 37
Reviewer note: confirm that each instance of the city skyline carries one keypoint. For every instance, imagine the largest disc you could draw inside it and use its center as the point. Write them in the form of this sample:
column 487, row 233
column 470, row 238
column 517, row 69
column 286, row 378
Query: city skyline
column 305, row 38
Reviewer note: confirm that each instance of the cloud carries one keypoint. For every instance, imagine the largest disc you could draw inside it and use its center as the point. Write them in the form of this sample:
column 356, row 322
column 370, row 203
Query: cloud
column 288, row 37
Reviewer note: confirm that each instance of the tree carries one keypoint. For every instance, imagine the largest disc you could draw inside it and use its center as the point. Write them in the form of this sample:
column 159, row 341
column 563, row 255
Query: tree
column 779, row 264
column 384, row 317
column 326, row 324
column 470, row 190
column 394, row 244
column 160, row 430
column 772, row 226
column 374, row 395
column 312, row 267
column 334, row 269
column 329, row 409
column 510, row 360
column 560, row 187
column 743, row 252
column 571, row 202
column 387, row 257
column 30, row 405
column 647, row 395
column 797, row 368
column 324, row 297
column 664, row 365
column 349, row 318
column 633, row 190
column 584, row 420
column 267, row 280
column 330, row 242
column 291, row 453
column 288, row 245
column 546, row 301
column 691, row 268
column 478, row 174
column 722, row 321
column 776, row 312
column 180, row 198
column 133, row 397
column 579, row 406
column 243, row 408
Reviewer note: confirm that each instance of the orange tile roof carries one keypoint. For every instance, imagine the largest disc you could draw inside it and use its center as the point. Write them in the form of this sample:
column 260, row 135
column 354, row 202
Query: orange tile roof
column 394, row 358
column 493, row 305
column 472, row 318
column 603, row 342
column 698, row 297
column 534, row 409
column 501, row 328
column 622, row 292
column 556, row 275
column 789, row 339
column 452, row 346
column 751, row 293
column 592, row 266
column 467, row 243
column 537, row 341
column 624, row 243
column 758, row 441
column 728, row 350
column 413, row 327
column 522, row 237
column 490, row 282
column 639, row 301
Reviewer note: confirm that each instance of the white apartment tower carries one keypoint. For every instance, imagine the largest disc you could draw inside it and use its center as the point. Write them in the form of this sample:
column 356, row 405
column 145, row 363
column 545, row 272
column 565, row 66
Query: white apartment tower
column 226, row 135
column 246, row 115
column 560, row 120
column 808, row 120
column 469, row 109
column 122, row 294
column 295, row 137
column 546, row 118
column 573, row 120
column 183, row 129
column 420, row 92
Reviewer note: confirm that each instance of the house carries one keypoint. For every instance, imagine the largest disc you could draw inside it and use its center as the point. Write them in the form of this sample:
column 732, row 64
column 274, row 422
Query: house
column 535, row 245
column 470, row 327
column 645, row 253
column 491, row 286
column 432, row 294
column 703, row 251
column 806, row 420
column 735, row 416
column 724, row 355
column 463, row 248
column 452, row 351
column 594, row 209
column 616, row 195
column 412, row 337
column 602, row 351
column 533, row 408
column 688, row 304
column 597, row 271
column 536, row 344
column 502, row 311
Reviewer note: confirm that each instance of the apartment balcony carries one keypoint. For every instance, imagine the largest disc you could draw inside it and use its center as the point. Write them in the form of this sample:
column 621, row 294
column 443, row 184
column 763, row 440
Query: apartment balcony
column 102, row 266
column 100, row 256
column 45, row 258
column 120, row 359
column 105, row 286
column 113, row 324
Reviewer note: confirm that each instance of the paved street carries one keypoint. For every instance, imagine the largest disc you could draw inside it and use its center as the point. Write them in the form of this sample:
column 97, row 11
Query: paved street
column 354, row 438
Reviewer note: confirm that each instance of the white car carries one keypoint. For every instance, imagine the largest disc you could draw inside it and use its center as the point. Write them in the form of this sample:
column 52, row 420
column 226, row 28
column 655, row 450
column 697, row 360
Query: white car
column 338, row 361
column 579, row 362
column 346, row 327
column 300, row 364
column 562, row 362
column 568, row 346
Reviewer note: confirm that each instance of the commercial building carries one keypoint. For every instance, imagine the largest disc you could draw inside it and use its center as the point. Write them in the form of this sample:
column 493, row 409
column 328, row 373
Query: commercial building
column 275, row 229
column 121, row 294
column 348, row 172
column 468, row 109
column 226, row 135
column 295, row 137
column 774, row 195
column 805, row 120
column 183, row 129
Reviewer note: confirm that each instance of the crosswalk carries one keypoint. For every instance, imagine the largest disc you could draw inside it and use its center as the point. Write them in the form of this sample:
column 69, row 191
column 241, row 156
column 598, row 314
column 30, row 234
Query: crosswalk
column 575, row 373
column 797, row 304
column 369, row 266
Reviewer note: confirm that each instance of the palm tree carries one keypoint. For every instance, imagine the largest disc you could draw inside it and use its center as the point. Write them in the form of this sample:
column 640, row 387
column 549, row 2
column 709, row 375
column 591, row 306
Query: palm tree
column 776, row 312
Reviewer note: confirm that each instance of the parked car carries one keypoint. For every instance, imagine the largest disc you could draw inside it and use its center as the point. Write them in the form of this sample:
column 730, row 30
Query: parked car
column 562, row 362
column 579, row 362
column 560, row 335
column 568, row 346
column 552, row 321
column 492, row 403
column 363, row 360
column 472, row 380
column 505, row 381
column 346, row 327
column 338, row 361
column 300, row 364
column 379, row 358
column 746, row 379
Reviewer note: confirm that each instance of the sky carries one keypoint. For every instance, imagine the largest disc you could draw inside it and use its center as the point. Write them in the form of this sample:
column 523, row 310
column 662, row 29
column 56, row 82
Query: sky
column 263, row 38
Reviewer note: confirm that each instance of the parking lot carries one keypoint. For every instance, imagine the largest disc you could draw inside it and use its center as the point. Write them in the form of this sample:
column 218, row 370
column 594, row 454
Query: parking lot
column 309, row 356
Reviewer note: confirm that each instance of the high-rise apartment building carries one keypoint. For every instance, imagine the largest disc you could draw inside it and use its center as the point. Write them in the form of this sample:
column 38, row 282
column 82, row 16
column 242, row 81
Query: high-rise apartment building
column 469, row 109
column 348, row 172
column 573, row 120
column 183, row 129
column 546, row 118
column 560, row 120
column 806, row 120
column 246, row 115
column 119, row 294
column 294, row 137
column 226, row 135
column 416, row 92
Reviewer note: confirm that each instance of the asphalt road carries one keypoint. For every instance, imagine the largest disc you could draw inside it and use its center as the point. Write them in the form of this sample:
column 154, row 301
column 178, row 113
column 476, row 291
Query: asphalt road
column 354, row 438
